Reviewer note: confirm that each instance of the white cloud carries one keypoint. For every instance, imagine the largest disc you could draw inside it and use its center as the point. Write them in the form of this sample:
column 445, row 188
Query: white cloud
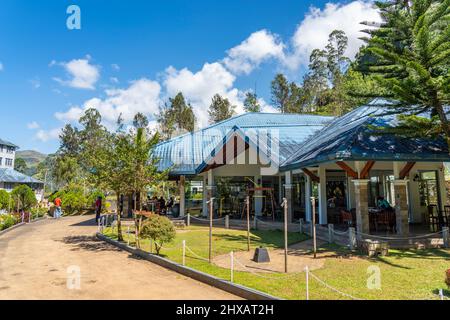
column 82, row 74
column 200, row 87
column 313, row 31
column 141, row 96
column 257, row 48
column 45, row 136
column 1, row 66
column 219, row 77
column 33, row 125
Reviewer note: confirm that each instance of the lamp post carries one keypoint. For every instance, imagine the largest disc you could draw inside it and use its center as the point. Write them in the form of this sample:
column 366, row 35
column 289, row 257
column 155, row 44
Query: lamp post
column 211, row 208
column 248, row 222
column 285, row 205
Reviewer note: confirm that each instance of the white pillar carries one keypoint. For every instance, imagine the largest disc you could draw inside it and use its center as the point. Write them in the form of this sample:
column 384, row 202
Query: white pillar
column 280, row 189
column 258, row 194
column 308, row 193
column 182, row 196
column 362, row 205
column 350, row 194
column 401, row 207
column 323, row 206
column 414, row 198
column 288, row 194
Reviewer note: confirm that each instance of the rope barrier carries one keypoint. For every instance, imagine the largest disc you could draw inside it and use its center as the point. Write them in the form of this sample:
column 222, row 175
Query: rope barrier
column 396, row 238
column 267, row 223
column 196, row 255
column 178, row 219
column 261, row 276
column 339, row 233
column 332, row 288
column 207, row 220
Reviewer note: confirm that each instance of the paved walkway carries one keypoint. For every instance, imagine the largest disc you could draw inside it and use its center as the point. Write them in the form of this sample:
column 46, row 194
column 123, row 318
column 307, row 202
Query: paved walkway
column 34, row 262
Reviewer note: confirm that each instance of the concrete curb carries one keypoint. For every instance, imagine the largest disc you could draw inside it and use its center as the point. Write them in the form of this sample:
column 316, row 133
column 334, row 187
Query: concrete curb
column 236, row 289
column 20, row 225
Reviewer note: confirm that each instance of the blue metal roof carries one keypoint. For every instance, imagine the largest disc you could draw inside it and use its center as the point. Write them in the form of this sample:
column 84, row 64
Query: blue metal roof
column 354, row 136
column 188, row 154
column 13, row 176
column 7, row 143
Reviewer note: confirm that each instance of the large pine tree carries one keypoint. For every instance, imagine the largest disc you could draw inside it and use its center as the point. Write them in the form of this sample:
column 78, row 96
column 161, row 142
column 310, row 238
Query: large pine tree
column 409, row 54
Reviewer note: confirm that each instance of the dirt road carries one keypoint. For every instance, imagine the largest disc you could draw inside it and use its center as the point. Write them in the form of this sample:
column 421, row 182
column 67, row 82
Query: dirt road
column 41, row 261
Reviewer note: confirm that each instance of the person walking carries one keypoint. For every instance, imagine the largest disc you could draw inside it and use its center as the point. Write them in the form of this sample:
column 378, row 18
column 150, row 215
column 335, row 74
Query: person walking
column 98, row 209
column 58, row 210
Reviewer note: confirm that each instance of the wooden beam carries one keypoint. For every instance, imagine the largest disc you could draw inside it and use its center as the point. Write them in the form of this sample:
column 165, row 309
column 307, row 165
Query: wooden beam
column 352, row 173
column 311, row 175
column 406, row 170
column 366, row 170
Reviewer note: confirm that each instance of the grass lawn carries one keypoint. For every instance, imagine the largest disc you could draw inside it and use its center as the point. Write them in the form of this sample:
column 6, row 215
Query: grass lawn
column 405, row 274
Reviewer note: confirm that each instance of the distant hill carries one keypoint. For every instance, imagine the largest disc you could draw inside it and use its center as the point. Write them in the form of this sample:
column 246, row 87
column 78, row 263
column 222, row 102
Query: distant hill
column 32, row 159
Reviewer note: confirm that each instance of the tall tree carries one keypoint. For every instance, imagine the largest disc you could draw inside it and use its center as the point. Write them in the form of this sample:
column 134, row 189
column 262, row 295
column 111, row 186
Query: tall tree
column 409, row 54
column 69, row 141
column 251, row 103
column 220, row 109
column 20, row 165
column 176, row 117
column 280, row 93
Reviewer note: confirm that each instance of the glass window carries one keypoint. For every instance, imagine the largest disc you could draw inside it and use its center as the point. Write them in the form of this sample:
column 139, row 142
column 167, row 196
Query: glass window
column 428, row 188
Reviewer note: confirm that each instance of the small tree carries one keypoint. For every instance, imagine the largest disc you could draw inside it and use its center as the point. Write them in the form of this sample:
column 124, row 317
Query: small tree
column 159, row 229
column 23, row 197
column 5, row 200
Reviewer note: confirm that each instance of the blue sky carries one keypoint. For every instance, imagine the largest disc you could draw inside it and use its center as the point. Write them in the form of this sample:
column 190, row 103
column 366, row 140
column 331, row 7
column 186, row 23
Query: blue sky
column 131, row 56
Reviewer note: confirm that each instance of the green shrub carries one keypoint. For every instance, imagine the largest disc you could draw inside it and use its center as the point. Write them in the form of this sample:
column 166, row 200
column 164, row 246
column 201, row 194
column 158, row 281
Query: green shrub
column 5, row 199
column 7, row 221
column 72, row 198
column 23, row 197
column 159, row 229
column 38, row 212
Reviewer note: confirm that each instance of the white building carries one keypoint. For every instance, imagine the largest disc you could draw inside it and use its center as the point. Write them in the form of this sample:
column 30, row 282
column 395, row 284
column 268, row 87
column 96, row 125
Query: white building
column 10, row 178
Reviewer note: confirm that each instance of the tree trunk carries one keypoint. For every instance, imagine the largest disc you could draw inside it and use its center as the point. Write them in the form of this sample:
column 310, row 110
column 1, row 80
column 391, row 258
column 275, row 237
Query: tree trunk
column 136, row 224
column 437, row 104
column 119, row 221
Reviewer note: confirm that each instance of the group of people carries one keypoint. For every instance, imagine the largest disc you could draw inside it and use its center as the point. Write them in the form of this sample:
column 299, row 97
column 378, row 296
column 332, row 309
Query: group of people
column 160, row 205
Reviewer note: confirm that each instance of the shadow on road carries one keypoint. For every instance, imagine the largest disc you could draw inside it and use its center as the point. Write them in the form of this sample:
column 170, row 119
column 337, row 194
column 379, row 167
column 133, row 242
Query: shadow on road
column 85, row 223
column 89, row 243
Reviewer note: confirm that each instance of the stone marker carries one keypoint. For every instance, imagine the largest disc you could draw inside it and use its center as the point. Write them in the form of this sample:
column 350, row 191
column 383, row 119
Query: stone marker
column 261, row 255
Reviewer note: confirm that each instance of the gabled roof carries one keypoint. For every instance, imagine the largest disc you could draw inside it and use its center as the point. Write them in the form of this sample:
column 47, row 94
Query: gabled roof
column 7, row 143
column 13, row 176
column 354, row 136
column 188, row 154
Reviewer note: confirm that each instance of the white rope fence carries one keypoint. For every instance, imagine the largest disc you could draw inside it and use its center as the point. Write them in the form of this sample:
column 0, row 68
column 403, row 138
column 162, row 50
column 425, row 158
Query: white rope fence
column 207, row 220
column 424, row 236
column 330, row 287
column 262, row 276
